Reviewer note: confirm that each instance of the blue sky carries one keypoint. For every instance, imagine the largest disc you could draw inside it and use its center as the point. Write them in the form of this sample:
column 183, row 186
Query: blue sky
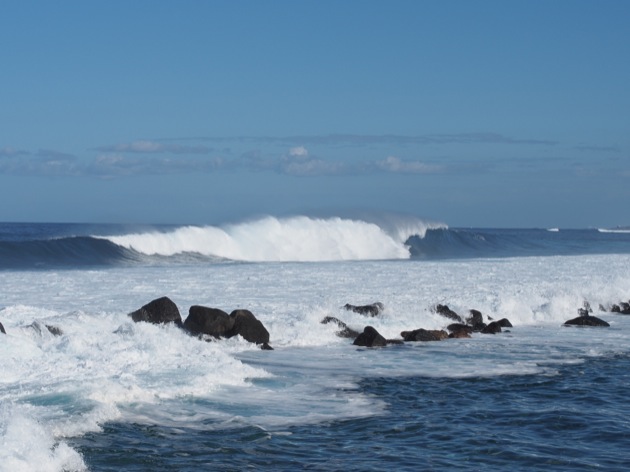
column 473, row 113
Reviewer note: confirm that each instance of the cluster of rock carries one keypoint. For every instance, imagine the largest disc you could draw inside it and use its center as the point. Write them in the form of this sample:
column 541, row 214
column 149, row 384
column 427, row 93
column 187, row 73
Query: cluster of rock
column 207, row 323
column 212, row 323
column 370, row 337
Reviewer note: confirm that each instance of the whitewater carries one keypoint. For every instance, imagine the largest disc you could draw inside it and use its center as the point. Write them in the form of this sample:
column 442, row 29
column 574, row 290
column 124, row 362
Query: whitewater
column 106, row 393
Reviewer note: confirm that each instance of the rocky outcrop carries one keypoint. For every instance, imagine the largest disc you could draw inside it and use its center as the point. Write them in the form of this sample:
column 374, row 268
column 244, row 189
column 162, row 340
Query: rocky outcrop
column 217, row 323
column 344, row 330
column 370, row 338
column 368, row 310
column 249, row 328
column 159, row 311
column 2, row 329
column 424, row 335
column 211, row 321
column 587, row 320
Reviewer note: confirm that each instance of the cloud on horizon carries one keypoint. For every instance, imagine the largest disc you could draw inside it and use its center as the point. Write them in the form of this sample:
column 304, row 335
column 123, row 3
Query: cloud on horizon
column 292, row 155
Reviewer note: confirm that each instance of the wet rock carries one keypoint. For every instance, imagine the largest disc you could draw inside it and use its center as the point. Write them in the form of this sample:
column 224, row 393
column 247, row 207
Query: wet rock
column 459, row 335
column 248, row 327
column 492, row 328
column 445, row 311
column 373, row 309
column 370, row 338
column 424, row 335
column 2, row 329
column 586, row 321
column 211, row 321
column 504, row 323
column 456, row 329
column 159, row 311
column 345, row 331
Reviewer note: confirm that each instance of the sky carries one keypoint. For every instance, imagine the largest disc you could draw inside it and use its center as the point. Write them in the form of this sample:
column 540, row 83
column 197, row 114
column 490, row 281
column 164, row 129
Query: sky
column 472, row 113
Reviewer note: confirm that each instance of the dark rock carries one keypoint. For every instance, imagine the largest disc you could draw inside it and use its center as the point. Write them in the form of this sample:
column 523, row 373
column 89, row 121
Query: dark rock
column 2, row 329
column 615, row 309
column 582, row 312
column 266, row 347
column 586, row 321
column 211, row 321
column 445, row 311
column 504, row 323
column 345, row 331
column 424, row 335
column 625, row 308
column 459, row 334
column 248, row 327
column 492, row 328
column 158, row 311
column 457, row 328
column 395, row 342
column 475, row 318
column 369, row 310
column 370, row 338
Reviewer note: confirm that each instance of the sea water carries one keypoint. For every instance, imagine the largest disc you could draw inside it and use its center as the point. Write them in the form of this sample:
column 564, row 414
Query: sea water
column 110, row 394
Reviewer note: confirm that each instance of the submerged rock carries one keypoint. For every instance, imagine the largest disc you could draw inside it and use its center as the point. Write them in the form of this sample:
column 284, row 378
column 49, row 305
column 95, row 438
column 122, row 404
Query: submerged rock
column 159, row 311
column 587, row 320
column 369, row 310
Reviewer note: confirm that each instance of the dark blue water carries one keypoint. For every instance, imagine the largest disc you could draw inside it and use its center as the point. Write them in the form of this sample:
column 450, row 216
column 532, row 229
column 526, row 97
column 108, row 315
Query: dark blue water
column 577, row 420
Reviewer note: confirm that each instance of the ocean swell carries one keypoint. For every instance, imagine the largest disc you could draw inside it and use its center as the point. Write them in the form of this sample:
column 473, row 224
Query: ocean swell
column 271, row 239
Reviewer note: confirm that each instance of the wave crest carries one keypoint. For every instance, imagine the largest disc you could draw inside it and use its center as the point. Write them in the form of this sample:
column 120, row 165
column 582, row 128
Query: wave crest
column 272, row 239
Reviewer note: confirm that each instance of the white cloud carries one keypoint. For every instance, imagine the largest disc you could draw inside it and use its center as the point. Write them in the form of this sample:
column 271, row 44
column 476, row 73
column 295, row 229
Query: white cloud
column 397, row 165
column 299, row 152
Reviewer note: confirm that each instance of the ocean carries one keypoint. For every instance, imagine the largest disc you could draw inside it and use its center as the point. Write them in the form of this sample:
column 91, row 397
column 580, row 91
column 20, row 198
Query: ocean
column 84, row 388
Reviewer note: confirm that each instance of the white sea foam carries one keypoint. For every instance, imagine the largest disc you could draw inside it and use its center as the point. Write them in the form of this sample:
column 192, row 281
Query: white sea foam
column 105, row 368
column 290, row 239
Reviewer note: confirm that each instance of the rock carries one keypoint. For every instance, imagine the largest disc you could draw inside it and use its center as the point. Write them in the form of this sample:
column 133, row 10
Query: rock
column 459, row 334
column 159, row 311
column 248, row 327
column 211, row 321
column 457, row 328
column 624, row 308
column 2, row 329
column 370, row 338
column 504, row 323
column 424, row 335
column 615, row 309
column 586, row 321
column 345, row 331
column 369, row 310
column 475, row 318
column 492, row 328
column 445, row 311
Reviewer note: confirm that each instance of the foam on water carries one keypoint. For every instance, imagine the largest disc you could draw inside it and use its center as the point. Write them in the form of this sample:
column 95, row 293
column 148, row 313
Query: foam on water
column 105, row 368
